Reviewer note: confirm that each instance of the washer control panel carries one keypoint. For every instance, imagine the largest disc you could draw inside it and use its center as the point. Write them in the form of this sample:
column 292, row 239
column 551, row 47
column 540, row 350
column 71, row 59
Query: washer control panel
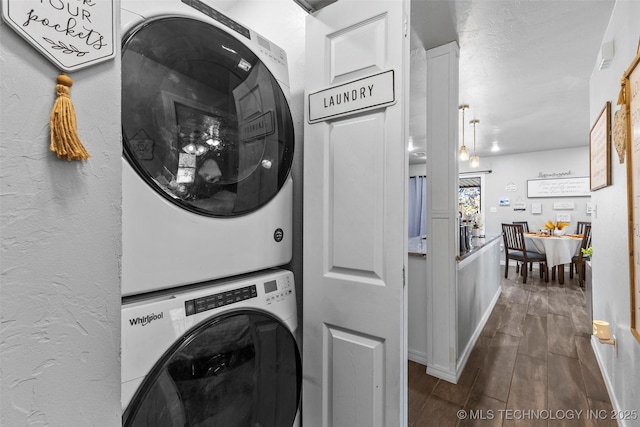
column 272, row 52
column 214, row 14
column 272, row 291
column 221, row 299
column 277, row 290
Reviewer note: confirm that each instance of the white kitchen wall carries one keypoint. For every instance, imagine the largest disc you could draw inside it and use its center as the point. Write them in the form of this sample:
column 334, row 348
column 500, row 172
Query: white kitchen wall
column 512, row 172
column 60, row 246
column 610, row 261
column 417, row 170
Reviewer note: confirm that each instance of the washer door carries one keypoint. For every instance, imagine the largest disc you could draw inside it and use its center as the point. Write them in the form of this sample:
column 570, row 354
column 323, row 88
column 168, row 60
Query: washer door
column 237, row 370
column 204, row 121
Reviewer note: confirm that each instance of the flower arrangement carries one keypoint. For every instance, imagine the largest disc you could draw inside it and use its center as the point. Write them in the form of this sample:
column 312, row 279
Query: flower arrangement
column 550, row 225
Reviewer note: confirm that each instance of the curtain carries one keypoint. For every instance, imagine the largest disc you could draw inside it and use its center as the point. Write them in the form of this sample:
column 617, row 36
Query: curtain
column 417, row 206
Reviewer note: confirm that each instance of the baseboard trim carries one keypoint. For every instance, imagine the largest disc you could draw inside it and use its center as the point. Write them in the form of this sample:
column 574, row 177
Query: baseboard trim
column 607, row 381
column 418, row 357
column 442, row 374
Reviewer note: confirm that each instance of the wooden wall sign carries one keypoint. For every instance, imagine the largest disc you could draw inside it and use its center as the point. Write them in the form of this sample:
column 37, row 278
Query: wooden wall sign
column 600, row 150
column 631, row 86
column 71, row 34
column 558, row 187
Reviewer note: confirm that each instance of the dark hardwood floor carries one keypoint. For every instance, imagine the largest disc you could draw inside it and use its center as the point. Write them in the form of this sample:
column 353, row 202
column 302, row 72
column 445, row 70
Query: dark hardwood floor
column 533, row 365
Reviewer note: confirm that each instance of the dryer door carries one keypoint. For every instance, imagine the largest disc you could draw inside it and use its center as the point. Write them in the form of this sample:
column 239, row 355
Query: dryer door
column 204, row 121
column 242, row 369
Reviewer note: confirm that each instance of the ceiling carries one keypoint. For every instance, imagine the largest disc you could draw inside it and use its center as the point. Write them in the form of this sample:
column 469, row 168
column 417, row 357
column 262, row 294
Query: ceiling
column 524, row 69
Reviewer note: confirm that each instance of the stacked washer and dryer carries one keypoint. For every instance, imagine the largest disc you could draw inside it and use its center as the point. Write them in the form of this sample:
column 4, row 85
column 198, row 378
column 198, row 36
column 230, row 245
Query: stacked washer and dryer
column 209, row 323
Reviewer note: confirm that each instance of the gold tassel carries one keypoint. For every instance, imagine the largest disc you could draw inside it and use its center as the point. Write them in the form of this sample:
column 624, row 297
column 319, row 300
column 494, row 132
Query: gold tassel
column 621, row 94
column 64, row 129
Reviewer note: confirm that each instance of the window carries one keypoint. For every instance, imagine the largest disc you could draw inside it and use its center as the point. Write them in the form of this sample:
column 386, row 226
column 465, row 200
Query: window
column 470, row 198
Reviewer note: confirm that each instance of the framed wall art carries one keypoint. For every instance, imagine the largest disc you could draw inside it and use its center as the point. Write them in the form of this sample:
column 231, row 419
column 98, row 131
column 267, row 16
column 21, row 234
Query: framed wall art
column 631, row 88
column 600, row 150
column 558, row 187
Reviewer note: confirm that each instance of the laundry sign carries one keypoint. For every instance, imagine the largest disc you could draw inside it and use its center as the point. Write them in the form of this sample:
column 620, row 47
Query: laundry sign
column 257, row 127
column 73, row 34
column 358, row 95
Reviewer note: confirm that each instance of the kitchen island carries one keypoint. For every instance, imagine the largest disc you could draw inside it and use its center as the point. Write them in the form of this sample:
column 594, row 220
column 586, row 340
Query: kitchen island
column 459, row 310
column 478, row 289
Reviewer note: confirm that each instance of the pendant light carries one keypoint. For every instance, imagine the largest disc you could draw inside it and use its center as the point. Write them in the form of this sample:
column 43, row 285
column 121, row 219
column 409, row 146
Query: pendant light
column 475, row 162
column 464, row 154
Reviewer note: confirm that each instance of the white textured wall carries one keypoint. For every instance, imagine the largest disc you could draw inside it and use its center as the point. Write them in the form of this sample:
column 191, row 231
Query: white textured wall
column 517, row 169
column 610, row 233
column 60, row 247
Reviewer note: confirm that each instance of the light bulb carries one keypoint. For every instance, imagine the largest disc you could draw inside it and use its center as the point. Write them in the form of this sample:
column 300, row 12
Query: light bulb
column 213, row 141
column 464, row 154
column 189, row 148
column 475, row 162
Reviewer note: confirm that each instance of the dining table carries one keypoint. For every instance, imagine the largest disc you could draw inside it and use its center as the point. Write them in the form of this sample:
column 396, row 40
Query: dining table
column 559, row 250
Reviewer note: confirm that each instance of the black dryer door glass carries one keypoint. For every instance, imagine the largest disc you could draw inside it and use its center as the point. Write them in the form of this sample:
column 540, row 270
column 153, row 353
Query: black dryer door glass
column 237, row 370
column 204, row 121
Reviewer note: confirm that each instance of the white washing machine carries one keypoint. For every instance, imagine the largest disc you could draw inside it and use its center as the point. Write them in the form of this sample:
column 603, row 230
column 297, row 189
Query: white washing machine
column 207, row 147
column 215, row 354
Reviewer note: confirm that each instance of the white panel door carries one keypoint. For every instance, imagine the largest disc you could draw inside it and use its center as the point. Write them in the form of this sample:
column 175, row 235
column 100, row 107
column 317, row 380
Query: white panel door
column 355, row 178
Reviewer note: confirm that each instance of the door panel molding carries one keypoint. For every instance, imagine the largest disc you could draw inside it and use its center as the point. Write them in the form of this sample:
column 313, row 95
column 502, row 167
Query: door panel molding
column 358, row 50
column 351, row 358
column 356, row 194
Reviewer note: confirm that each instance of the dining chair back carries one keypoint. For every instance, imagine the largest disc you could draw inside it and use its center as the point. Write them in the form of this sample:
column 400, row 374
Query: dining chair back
column 579, row 259
column 514, row 248
column 525, row 227
column 581, row 226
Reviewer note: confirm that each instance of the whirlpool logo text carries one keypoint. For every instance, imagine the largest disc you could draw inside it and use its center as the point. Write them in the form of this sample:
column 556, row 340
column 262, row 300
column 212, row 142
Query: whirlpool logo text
column 144, row 321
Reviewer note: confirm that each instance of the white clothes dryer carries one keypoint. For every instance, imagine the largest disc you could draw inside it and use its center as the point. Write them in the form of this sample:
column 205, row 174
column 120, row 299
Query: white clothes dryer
column 208, row 144
column 217, row 354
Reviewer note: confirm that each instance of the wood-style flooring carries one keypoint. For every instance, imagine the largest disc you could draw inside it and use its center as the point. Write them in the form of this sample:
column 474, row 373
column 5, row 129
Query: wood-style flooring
column 532, row 365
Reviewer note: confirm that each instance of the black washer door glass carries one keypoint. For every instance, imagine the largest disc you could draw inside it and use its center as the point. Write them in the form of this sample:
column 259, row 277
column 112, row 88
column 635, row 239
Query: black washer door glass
column 204, row 121
column 238, row 370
